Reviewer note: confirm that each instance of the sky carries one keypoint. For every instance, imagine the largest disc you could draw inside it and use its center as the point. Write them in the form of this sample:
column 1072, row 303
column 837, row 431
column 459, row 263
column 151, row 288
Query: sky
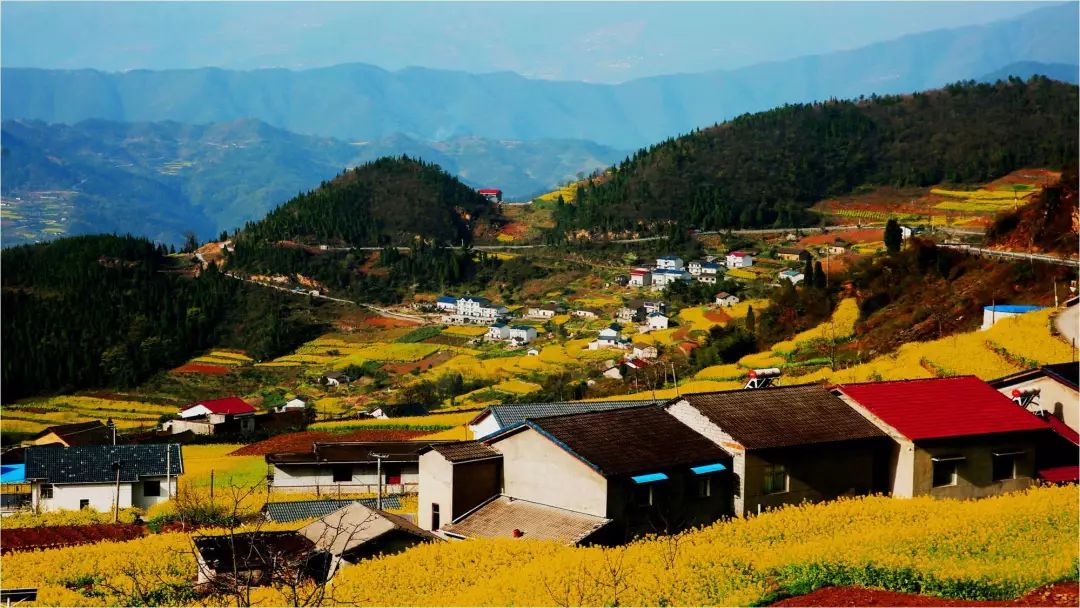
column 589, row 41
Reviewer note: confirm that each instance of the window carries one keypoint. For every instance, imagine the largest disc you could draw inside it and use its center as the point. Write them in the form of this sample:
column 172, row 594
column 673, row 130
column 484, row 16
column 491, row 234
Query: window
column 945, row 470
column 393, row 475
column 151, row 488
column 435, row 516
column 643, row 495
column 704, row 486
column 342, row 473
column 84, row 503
column 46, row 491
column 1004, row 465
column 775, row 479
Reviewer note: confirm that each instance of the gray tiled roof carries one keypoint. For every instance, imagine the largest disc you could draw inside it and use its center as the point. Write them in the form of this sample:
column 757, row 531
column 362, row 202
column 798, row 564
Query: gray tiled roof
column 94, row 463
column 313, row 509
column 513, row 413
column 464, row 451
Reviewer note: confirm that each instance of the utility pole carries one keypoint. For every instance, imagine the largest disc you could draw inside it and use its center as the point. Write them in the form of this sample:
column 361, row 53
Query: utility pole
column 116, row 502
column 112, row 425
column 378, row 473
column 168, row 470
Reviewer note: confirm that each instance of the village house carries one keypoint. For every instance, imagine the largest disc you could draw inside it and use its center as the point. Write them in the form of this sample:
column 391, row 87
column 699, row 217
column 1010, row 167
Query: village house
column 726, row 299
column 656, row 321
column 838, row 247
column 669, row 262
column 793, row 276
column 651, row 306
column 332, row 379
column 1049, row 391
column 455, row 478
column 522, row 334
column 446, row 303
column 475, row 310
column 699, row 269
column 739, row 259
column 85, row 477
column 544, row 311
column 214, row 417
column 498, row 417
column 255, row 559
column 498, row 331
column 708, row 277
column 352, row 467
column 645, row 351
column 661, row 278
column 292, row 405
column 793, row 254
column 586, row 313
column 640, row 277
column 631, row 312
column 493, row 195
column 906, row 232
column 609, row 337
column 357, row 532
column 78, row 433
column 952, row 437
column 788, row 444
column 301, row 510
column 598, row 477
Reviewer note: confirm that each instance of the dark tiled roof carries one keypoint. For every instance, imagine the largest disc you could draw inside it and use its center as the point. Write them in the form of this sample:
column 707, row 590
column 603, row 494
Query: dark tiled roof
column 783, row 416
column 80, row 433
column 1065, row 373
column 311, row 509
column 513, row 413
column 1068, row 373
column 499, row 517
column 253, row 550
column 629, row 441
column 94, row 463
column 351, row 452
column 464, row 451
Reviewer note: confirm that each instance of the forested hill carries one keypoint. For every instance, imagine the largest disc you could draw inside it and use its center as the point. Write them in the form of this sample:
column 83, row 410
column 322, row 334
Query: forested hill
column 95, row 311
column 389, row 200
column 768, row 168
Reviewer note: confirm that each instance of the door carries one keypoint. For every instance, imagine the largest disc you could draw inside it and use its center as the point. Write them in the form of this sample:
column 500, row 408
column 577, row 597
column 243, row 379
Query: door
column 435, row 516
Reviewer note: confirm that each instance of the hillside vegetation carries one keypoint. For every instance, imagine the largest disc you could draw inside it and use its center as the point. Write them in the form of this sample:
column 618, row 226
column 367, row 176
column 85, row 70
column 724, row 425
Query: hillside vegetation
column 768, row 168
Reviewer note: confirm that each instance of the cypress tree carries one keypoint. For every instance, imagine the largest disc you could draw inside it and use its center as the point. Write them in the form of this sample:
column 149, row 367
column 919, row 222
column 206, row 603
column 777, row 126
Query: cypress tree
column 819, row 276
column 893, row 237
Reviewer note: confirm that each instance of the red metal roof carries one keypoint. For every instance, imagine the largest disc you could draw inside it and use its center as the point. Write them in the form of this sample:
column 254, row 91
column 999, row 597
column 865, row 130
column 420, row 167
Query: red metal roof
column 942, row 407
column 489, row 191
column 1063, row 429
column 227, row 405
column 1061, row 474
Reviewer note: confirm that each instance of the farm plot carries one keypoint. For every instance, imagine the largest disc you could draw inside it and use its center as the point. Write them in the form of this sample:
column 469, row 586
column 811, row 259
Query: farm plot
column 32, row 416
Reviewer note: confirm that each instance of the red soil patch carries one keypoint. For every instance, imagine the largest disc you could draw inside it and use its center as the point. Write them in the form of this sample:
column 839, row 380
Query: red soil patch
column 859, row 235
column 301, row 441
column 717, row 316
column 1058, row 594
column 388, row 322
column 427, row 362
column 202, row 368
column 25, row 539
column 515, row 230
column 681, row 333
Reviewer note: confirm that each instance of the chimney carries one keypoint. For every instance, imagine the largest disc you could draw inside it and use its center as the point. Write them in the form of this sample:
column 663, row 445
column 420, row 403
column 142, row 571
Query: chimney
column 762, row 378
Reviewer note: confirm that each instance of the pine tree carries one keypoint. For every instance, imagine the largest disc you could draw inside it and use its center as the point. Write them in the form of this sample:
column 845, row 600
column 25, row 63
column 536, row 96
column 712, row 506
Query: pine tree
column 751, row 324
column 893, row 236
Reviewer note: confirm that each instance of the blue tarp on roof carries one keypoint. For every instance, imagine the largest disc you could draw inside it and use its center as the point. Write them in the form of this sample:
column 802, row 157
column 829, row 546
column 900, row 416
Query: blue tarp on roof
column 1013, row 308
column 12, row 473
column 650, row 477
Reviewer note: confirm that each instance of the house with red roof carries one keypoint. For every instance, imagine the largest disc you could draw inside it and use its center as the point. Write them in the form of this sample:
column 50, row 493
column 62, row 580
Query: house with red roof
column 214, row 417
column 492, row 194
column 954, row 437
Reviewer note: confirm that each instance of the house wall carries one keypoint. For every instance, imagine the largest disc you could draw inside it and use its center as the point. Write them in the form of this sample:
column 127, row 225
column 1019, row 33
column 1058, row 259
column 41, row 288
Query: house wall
column 676, row 505
column 138, row 499
column 485, row 427
column 67, row 496
column 975, row 473
column 199, row 428
column 436, row 487
column 320, row 478
column 1054, row 397
column 536, row 469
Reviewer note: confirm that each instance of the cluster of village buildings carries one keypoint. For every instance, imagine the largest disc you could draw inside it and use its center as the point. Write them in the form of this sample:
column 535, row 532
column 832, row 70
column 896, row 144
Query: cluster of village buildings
column 601, row 472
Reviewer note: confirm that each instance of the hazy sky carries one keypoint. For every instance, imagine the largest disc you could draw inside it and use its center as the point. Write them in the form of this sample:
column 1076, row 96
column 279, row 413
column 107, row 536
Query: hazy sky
column 596, row 41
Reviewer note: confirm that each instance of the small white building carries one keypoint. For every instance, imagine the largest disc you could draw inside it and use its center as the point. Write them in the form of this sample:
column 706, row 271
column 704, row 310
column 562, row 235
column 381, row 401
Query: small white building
column 640, row 277
column 645, row 351
column 669, row 262
column 544, row 311
column 663, row 277
column 213, row 416
column 347, row 467
column 499, row 331
column 522, row 334
column 85, row 477
column 609, row 337
column 739, row 259
column 794, row 276
column 709, row 279
column 657, row 321
column 292, row 405
column 446, row 303
column 906, row 232
column 654, row 306
column 586, row 313
column 726, row 299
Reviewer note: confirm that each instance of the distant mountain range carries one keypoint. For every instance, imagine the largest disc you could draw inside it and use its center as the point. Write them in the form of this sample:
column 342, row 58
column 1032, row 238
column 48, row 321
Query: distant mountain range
column 359, row 101
column 163, row 179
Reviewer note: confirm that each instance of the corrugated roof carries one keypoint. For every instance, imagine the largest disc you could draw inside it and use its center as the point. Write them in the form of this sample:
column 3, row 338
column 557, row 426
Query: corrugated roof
column 226, row 405
column 514, row 413
column 310, row 509
column 942, row 407
column 94, row 463
column 629, row 441
column 500, row 516
column 351, row 452
column 783, row 416
column 464, row 451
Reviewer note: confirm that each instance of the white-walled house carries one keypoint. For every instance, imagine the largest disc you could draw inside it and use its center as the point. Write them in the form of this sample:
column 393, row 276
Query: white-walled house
column 663, row 277
column 739, row 259
column 85, row 477
column 544, row 311
column 794, row 276
column 657, row 321
column 726, row 299
column 446, row 303
column 347, row 467
column 214, row 416
column 645, row 351
column 522, row 334
column 640, row 277
column 669, row 262
column 498, row 331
